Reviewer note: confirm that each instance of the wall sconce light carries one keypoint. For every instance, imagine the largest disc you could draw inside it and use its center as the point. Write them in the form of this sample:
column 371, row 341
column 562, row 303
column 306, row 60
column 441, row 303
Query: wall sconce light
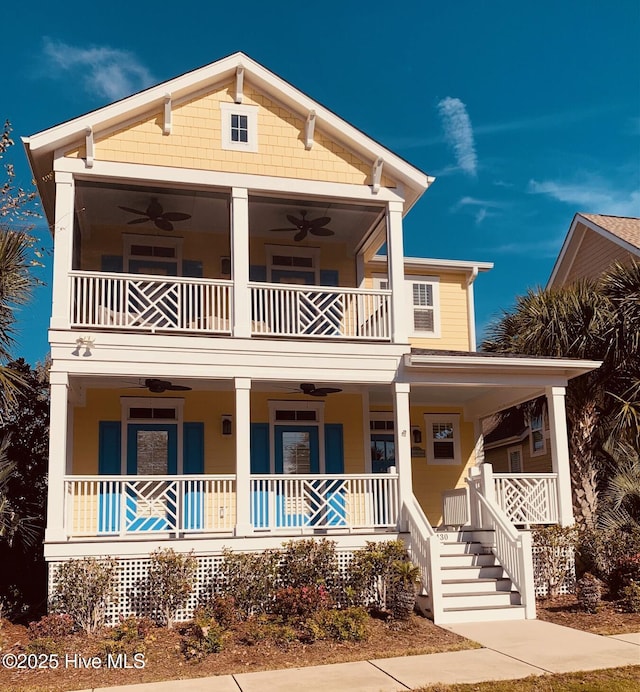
column 416, row 435
column 85, row 342
column 226, row 424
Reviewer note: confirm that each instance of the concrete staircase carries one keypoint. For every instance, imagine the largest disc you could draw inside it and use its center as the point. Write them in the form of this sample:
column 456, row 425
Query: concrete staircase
column 473, row 584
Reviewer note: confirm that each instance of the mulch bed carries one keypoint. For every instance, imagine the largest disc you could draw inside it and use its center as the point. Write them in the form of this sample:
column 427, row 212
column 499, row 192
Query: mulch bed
column 163, row 660
column 564, row 610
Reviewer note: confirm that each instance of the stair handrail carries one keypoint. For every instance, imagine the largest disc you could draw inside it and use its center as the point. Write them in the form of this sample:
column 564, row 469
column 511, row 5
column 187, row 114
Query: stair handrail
column 511, row 547
column 425, row 553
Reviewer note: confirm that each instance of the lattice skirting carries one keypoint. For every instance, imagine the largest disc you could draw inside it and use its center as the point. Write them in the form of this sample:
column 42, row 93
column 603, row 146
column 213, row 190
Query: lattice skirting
column 570, row 570
column 131, row 594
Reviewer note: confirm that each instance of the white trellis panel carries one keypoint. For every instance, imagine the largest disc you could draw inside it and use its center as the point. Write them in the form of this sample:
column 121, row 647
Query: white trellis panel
column 528, row 499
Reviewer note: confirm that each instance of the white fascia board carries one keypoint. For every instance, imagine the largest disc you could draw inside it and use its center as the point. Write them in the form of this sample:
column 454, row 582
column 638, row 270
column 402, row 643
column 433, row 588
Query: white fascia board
column 564, row 249
column 426, row 262
column 514, row 366
column 225, row 68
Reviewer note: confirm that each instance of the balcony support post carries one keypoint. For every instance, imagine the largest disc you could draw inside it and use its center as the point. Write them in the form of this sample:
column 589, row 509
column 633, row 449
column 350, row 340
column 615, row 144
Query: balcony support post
column 402, row 424
column 63, row 253
column 395, row 260
column 241, row 312
column 243, row 456
column 560, row 452
column 58, row 439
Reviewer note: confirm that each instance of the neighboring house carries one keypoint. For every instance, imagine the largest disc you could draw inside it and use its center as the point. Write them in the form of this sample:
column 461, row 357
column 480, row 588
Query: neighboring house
column 594, row 242
column 234, row 365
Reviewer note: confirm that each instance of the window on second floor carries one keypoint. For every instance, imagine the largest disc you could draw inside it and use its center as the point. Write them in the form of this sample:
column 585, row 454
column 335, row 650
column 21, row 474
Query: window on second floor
column 239, row 127
column 425, row 299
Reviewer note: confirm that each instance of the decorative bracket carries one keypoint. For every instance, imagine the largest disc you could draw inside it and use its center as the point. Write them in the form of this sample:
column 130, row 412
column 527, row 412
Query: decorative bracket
column 88, row 142
column 309, row 129
column 376, row 175
column 166, row 127
column 239, row 84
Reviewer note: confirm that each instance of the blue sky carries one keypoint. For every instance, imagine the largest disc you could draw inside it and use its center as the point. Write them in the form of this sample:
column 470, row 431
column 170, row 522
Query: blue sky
column 526, row 112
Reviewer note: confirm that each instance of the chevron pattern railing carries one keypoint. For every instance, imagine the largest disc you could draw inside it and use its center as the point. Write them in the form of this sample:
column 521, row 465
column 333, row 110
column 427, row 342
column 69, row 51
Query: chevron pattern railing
column 528, row 498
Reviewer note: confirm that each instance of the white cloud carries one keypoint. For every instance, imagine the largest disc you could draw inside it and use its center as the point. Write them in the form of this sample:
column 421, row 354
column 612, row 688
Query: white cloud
column 592, row 194
column 103, row 71
column 480, row 207
column 459, row 133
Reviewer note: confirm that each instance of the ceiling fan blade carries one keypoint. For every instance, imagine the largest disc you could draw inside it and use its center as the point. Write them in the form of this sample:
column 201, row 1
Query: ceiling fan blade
column 318, row 392
column 307, row 387
column 133, row 211
column 300, row 235
column 175, row 216
column 326, row 390
column 154, row 209
column 178, row 388
column 321, row 231
column 320, row 221
column 296, row 222
column 163, row 224
column 146, row 219
column 275, row 230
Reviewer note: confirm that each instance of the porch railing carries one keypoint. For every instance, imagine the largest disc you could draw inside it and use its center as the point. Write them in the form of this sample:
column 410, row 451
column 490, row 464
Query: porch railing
column 149, row 303
column 143, row 505
column 455, row 507
column 319, row 312
column 527, row 498
column 312, row 502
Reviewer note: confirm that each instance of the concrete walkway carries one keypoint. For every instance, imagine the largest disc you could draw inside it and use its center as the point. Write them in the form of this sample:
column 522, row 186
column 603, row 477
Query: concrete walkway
column 512, row 650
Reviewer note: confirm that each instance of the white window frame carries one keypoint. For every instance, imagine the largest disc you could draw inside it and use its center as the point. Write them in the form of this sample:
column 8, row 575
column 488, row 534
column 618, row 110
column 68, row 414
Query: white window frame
column 229, row 109
column 378, row 280
column 510, row 450
column 130, row 239
column 454, row 419
column 434, row 282
column 129, row 402
column 294, row 251
column 317, row 406
column 537, row 452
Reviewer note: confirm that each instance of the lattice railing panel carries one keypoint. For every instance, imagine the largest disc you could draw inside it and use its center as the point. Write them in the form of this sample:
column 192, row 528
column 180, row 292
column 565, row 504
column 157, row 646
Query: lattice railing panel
column 528, row 499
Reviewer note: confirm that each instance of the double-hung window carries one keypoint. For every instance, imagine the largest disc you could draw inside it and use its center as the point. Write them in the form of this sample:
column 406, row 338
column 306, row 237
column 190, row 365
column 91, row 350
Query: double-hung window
column 537, row 439
column 425, row 298
column 443, row 438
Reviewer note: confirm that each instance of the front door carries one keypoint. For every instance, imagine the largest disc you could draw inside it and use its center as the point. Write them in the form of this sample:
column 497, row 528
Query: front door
column 152, row 450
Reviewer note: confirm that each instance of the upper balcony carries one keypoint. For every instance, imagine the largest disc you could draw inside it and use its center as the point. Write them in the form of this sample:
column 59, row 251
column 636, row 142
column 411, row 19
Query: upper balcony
column 224, row 262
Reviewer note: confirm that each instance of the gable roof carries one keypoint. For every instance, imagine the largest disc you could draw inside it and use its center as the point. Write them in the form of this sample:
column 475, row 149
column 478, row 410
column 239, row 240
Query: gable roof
column 622, row 231
column 42, row 145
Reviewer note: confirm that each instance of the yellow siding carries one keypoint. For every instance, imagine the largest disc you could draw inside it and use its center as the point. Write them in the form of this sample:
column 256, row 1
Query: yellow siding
column 195, row 142
column 595, row 255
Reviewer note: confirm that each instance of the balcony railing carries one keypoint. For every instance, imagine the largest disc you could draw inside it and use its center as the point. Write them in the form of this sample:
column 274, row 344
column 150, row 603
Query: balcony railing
column 308, row 503
column 320, row 312
column 150, row 303
column 528, row 498
column 143, row 505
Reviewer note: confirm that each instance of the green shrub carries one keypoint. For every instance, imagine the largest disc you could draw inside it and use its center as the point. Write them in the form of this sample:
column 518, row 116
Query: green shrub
column 55, row 626
column 630, row 598
column 625, row 573
column 199, row 640
column 132, row 629
column 600, row 550
column 170, row 583
column 250, row 578
column 402, row 594
column 82, row 590
column 369, row 574
column 309, row 562
column 348, row 625
column 220, row 608
column 555, row 551
column 261, row 628
column 45, row 645
column 293, row 603
column 589, row 593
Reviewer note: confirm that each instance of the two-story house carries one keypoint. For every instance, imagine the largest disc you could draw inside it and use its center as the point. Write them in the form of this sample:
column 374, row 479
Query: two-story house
column 234, row 363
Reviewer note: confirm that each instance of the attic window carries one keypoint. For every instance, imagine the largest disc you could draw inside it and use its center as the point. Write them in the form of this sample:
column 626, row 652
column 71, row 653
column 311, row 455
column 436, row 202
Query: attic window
column 239, row 127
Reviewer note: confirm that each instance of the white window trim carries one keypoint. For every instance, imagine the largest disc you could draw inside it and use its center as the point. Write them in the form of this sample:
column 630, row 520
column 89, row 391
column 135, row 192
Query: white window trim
column 434, row 281
column 539, row 452
column 429, row 419
column 515, row 448
column 294, row 251
column 378, row 279
column 317, row 406
column 229, row 109
column 129, row 402
column 130, row 239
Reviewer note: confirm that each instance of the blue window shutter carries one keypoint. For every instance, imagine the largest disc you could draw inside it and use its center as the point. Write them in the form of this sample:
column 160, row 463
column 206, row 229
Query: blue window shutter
column 111, row 263
column 328, row 277
column 193, row 447
column 192, row 268
column 333, row 448
column 260, row 448
column 109, row 448
column 257, row 272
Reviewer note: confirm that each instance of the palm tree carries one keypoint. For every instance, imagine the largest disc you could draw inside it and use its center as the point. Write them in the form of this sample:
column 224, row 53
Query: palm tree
column 597, row 320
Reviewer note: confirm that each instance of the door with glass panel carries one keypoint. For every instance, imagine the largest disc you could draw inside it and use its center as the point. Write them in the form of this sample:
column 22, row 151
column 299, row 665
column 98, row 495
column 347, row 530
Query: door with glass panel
column 151, row 503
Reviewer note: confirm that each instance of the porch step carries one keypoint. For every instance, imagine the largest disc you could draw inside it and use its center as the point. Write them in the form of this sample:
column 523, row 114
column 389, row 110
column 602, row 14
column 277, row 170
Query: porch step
column 463, row 547
column 472, row 599
column 468, row 559
column 457, row 572
column 483, row 614
column 479, row 586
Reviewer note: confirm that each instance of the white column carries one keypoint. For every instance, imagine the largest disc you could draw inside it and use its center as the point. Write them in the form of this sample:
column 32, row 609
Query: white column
column 479, row 438
column 366, row 431
column 240, row 262
column 55, row 530
column 62, row 250
column 243, row 456
column 402, row 425
column 560, row 452
column 395, row 261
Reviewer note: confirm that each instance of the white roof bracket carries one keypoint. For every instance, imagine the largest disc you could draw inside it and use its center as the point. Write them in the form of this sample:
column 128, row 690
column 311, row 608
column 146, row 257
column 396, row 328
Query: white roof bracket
column 88, row 141
column 309, row 129
column 166, row 127
column 376, row 175
column 239, row 84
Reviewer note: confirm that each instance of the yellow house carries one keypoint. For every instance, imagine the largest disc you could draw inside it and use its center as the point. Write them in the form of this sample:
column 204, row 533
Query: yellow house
column 234, row 363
